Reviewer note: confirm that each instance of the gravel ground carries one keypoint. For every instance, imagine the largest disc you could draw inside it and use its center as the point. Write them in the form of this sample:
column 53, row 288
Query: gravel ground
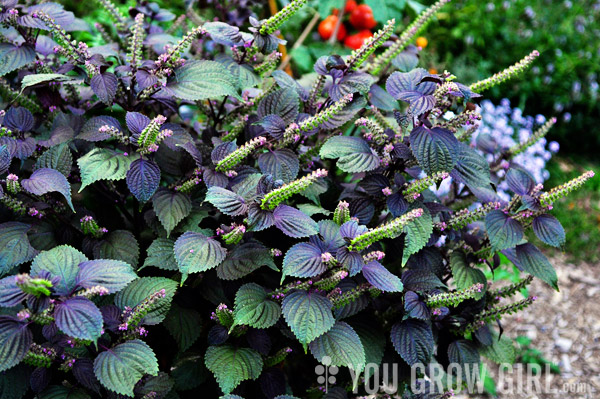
column 565, row 327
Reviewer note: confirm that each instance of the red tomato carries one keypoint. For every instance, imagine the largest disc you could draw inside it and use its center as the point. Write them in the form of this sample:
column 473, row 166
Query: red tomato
column 362, row 17
column 355, row 41
column 327, row 26
column 350, row 6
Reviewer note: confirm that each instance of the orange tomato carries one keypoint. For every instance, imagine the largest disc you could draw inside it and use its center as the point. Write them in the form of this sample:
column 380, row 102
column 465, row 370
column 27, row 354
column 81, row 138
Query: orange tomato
column 422, row 42
column 327, row 26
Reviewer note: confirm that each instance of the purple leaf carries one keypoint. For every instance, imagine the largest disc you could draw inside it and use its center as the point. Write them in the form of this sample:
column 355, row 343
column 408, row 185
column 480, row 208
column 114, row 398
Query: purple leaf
column 504, row 231
column 282, row 164
column 222, row 150
column 415, row 307
column 381, row 278
column 351, row 260
column 143, row 178
column 111, row 274
column 47, row 180
column 413, row 340
column 104, row 86
column 436, row 149
column 90, row 131
column 83, row 371
column 352, row 229
column 519, row 181
column 5, row 159
column 54, row 10
column 15, row 340
column 14, row 57
column 294, row 223
column 533, row 261
column 40, row 378
column 226, row 201
column 136, row 122
column 260, row 219
column 283, row 102
column 12, row 295
column 303, row 260
column 18, row 119
column 78, row 317
column 411, row 88
column 548, row 229
column 274, row 125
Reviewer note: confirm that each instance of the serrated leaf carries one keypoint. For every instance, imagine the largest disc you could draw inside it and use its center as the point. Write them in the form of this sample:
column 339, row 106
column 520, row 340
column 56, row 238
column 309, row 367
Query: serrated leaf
column 14, row 382
column 373, row 341
column 62, row 392
column 120, row 245
column 283, row 102
column 533, row 261
column 282, row 164
column 413, row 340
column 471, row 168
column 14, row 245
column 303, row 260
column 380, row 277
column 504, row 231
column 501, row 350
column 548, row 229
column 465, row 354
column 519, row 181
column 357, row 82
column 223, row 33
column 46, row 180
column 184, row 325
column 171, row 207
column 294, row 223
column 5, row 159
column 308, row 314
column 254, row 307
column 196, row 252
column 201, row 80
column 34, row 79
column 409, row 87
column 415, row 307
column 90, row 130
column 140, row 289
column 464, row 275
column 436, row 149
column 406, row 61
column 58, row 158
column 417, row 232
column 226, row 201
column 121, row 367
column 143, row 178
column 63, row 262
column 103, row 164
column 353, row 154
column 161, row 254
column 114, row 275
column 342, row 344
column 78, row 317
column 421, row 280
column 15, row 340
column 243, row 259
column 231, row 365
column 12, row 294
column 346, row 114
column 14, row 57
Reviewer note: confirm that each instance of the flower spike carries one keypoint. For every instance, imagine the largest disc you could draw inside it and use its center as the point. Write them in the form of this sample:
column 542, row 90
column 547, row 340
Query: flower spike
column 136, row 40
column 237, row 156
column 275, row 197
column 509, row 73
column 358, row 57
column 272, row 24
column 546, row 199
column 538, row 134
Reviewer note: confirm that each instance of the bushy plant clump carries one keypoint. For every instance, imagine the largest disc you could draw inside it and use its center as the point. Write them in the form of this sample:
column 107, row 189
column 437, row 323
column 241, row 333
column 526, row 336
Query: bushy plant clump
column 178, row 216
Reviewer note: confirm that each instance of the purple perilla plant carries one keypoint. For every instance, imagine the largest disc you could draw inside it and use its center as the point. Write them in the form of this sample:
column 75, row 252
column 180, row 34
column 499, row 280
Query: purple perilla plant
column 173, row 203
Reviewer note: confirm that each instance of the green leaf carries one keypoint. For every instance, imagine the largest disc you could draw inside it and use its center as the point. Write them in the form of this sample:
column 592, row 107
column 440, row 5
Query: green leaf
column 504, row 232
column 232, row 365
column 184, row 325
column 342, row 344
column 58, row 158
column 32, row 80
column 119, row 245
column 15, row 340
column 464, row 275
column 500, row 351
column 254, row 308
column 201, row 80
column 373, row 341
column 14, row 57
column 14, row 245
column 62, row 261
column 62, row 392
column 228, row 202
column 14, row 382
column 417, row 232
column 196, row 252
column 243, row 259
column 171, row 208
column 384, row 10
column 353, row 153
column 436, row 149
column 471, row 168
column 161, row 255
column 533, row 261
column 413, row 340
column 142, row 288
column 308, row 314
column 189, row 372
column 112, row 274
column 103, row 164
column 122, row 366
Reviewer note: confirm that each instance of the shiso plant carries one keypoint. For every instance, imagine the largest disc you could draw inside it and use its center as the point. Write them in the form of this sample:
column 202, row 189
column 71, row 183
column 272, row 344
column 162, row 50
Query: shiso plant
column 178, row 216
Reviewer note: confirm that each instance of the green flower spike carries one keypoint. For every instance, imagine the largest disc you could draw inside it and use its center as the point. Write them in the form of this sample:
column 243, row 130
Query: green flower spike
column 414, row 189
column 495, row 314
column 172, row 58
column 546, row 199
column 509, row 73
column 275, row 197
column 150, row 133
column 136, row 40
column 341, row 214
column 411, row 31
column 538, row 134
column 114, row 14
column 39, row 356
column 72, row 49
column 33, row 286
column 391, row 229
column 237, row 156
column 12, row 184
column 272, row 24
column 114, row 132
column 374, row 132
column 359, row 56
column 133, row 316
column 510, row 290
column 453, row 298
column 463, row 217
column 235, row 235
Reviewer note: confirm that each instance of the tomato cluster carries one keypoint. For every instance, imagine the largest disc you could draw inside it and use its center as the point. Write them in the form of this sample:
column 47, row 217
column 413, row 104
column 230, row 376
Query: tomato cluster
column 360, row 17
